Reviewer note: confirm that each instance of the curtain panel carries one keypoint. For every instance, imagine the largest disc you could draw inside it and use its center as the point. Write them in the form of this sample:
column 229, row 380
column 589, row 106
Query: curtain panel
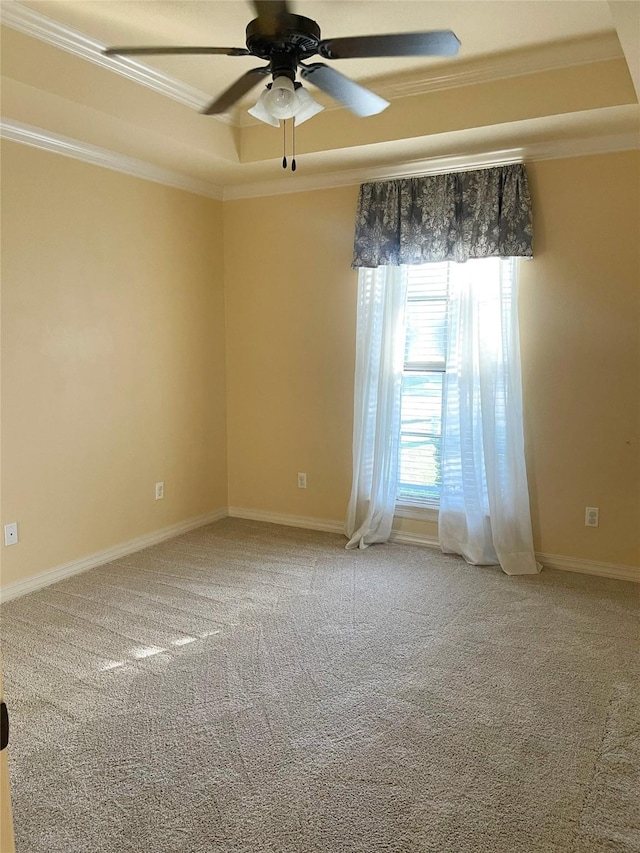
column 377, row 404
column 485, row 213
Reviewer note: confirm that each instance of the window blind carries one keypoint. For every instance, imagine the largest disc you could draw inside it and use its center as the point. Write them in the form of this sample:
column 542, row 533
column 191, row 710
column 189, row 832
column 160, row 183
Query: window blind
column 426, row 316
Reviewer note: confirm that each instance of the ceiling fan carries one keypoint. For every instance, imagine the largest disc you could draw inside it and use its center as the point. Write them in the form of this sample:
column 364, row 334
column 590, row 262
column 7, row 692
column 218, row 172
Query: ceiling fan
column 285, row 41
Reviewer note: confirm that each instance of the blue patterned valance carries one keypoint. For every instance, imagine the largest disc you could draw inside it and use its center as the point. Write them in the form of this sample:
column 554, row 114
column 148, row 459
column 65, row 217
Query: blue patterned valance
column 485, row 213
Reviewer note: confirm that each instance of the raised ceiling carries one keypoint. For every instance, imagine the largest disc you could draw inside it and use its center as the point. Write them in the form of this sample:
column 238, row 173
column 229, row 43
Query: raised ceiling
column 532, row 76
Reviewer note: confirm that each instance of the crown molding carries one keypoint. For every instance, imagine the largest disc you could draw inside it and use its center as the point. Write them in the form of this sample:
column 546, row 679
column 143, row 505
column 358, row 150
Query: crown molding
column 36, row 137
column 534, row 60
column 32, row 23
column 461, row 72
column 349, row 177
column 436, row 165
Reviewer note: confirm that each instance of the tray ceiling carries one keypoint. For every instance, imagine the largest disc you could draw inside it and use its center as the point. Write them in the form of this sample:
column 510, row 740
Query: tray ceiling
column 54, row 79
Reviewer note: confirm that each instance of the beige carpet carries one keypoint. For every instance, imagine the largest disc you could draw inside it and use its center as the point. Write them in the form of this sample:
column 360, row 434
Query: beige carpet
column 248, row 688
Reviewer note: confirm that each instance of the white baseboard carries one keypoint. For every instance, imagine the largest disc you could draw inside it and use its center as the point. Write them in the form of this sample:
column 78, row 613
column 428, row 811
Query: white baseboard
column 15, row 590
column 325, row 525
column 310, row 523
column 551, row 561
column 590, row 567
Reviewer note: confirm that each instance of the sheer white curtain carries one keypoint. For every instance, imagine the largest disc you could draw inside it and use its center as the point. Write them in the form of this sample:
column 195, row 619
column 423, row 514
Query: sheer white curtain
column 484, row 502
column 377, row 399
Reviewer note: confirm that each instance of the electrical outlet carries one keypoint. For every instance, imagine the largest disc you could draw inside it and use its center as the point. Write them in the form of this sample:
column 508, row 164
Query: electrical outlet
column 302, row 481
column 11, row 533
column 591, row 516
column 159, row 491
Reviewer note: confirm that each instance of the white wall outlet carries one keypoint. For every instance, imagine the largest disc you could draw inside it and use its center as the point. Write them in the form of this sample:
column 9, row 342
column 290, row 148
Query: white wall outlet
column 11, row 533
column 591, row 516
column 302, row 481
column 159, row 491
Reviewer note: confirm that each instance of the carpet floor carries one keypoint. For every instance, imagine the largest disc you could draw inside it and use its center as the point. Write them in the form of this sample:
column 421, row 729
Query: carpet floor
column 249, row 688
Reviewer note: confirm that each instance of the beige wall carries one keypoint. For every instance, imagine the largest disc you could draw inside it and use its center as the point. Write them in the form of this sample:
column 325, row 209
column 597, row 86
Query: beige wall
column 290, row 325
column 290, row 296
column 580, row 321
column 113, row 358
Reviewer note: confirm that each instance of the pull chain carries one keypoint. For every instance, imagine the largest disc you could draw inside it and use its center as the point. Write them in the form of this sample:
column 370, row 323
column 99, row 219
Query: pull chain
column 293, row 140
column 284, row 143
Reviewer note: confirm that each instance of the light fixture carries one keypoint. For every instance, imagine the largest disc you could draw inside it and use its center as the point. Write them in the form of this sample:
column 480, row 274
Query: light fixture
column 260, row 111
column 285, row 99
column 307, row 106
column 281, row 98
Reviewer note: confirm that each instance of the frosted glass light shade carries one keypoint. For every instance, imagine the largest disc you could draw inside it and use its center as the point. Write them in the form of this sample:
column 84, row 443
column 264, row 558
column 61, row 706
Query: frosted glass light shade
column 307, row 107
column 261, row 112
column 281, row 98
column 283, row 103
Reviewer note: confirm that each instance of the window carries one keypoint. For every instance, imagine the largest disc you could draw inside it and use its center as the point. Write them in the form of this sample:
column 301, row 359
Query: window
column 433, row 292
column 425, row 350
column 437, row 400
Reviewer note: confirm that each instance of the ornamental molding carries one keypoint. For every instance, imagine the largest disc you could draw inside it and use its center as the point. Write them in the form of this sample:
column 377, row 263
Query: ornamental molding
column 548, row 57
column 32, row 23
column 37, row 137
column 556, row 150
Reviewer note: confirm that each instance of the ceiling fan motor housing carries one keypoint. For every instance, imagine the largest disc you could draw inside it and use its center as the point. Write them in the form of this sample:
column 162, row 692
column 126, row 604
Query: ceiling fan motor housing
column 297, row 39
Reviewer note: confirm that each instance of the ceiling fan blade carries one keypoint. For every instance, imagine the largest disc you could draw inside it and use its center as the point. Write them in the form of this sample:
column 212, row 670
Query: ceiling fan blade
column 272, row 15
column 152, row 51
column 361, row 101
column 434, row 43
column 236, row 91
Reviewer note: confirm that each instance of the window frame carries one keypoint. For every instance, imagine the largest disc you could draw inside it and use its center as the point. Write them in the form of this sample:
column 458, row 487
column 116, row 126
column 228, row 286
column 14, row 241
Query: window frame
column 426, row 510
